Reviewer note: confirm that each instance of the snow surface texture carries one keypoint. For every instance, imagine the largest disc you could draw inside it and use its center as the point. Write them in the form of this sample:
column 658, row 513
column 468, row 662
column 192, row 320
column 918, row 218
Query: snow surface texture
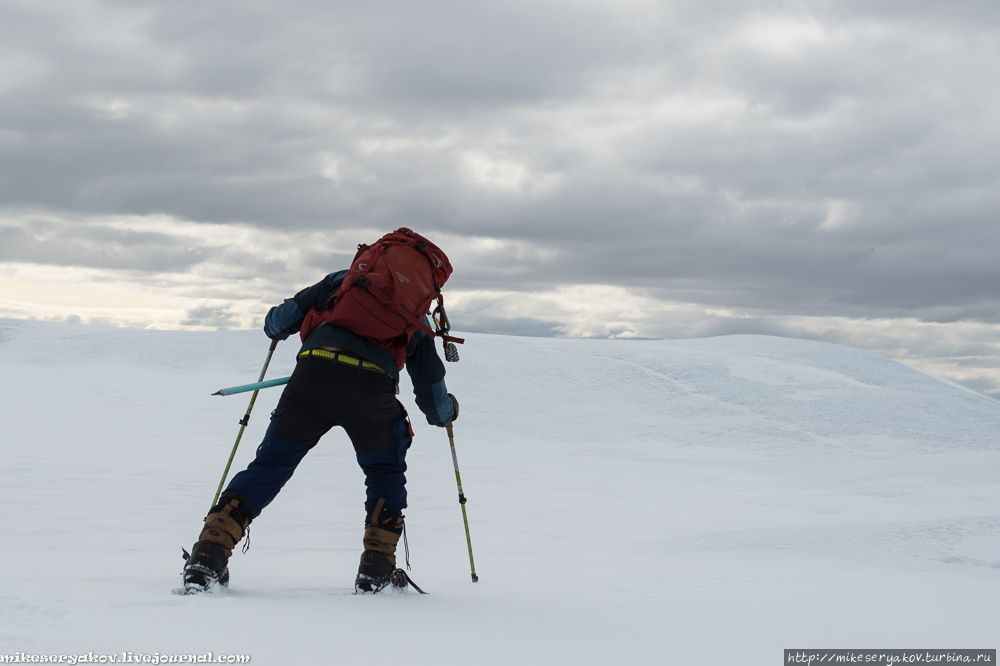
column 699, row 501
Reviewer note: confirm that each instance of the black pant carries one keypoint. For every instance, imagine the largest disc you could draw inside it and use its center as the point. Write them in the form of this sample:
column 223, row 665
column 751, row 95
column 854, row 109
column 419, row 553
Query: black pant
column 322, row 394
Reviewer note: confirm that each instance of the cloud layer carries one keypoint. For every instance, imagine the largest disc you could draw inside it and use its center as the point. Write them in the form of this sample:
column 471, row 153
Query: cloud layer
column 595, row 168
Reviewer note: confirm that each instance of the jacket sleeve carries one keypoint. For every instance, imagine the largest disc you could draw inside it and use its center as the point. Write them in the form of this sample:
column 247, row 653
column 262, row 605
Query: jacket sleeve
column 286, row 319
column 427, row 375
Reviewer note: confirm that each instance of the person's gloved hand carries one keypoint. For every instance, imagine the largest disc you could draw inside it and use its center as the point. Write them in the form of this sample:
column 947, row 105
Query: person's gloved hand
column 454, row 403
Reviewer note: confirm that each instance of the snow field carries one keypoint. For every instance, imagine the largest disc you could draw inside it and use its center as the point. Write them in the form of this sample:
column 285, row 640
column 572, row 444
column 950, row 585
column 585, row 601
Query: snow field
column 696, row 501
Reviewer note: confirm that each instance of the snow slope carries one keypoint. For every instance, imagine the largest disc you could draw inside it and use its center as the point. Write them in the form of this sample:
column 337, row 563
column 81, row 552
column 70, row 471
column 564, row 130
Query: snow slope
column 698, row 501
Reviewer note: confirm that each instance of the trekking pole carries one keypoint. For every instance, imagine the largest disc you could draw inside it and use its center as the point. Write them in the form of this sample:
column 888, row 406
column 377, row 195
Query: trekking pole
column 245, row 420
column 461, row 500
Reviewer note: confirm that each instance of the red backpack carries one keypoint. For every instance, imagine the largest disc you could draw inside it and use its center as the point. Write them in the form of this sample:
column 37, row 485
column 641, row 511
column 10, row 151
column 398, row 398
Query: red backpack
column 386, row 293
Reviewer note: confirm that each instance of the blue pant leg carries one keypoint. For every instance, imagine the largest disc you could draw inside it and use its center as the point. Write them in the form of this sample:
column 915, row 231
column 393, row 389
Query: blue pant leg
column 276, row 460
column 384, row 469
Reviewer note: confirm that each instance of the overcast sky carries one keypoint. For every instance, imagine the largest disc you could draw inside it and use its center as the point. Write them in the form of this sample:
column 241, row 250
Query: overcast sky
column 670, row 169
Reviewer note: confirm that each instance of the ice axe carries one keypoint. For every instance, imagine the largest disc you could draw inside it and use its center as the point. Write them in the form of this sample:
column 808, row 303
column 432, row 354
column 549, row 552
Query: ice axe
column 245, row 420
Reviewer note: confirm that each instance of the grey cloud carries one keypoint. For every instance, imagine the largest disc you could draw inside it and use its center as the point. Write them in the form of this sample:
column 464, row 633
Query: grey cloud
column 67, row 244
column 962, row 13
column 745, row 155
column 210, row 316
column 328, row 262
column 983, row 385
column 484, row 323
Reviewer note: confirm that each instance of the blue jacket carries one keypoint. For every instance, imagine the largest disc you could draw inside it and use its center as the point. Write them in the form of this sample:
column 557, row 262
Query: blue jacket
column 422, row 361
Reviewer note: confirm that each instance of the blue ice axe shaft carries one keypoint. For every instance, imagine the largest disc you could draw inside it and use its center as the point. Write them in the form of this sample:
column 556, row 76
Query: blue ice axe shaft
column 252, row 387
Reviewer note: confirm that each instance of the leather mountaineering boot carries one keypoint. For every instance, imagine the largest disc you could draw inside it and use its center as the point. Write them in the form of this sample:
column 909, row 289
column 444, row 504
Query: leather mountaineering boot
column 207, row 564
column 377, row 570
